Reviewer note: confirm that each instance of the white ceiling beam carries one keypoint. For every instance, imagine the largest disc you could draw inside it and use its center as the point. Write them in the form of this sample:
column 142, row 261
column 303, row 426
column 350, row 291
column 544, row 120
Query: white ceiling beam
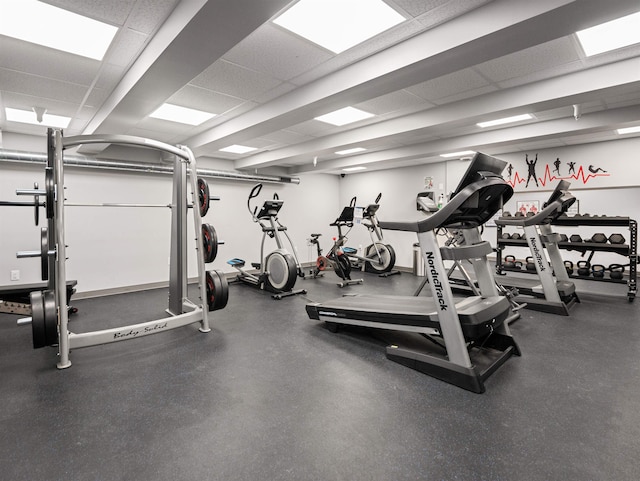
column 483, row 141
column 196, row 34
column 477, row 36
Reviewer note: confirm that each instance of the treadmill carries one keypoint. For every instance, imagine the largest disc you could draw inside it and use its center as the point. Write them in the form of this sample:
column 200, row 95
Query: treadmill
column 470, row 338
column 551, row 291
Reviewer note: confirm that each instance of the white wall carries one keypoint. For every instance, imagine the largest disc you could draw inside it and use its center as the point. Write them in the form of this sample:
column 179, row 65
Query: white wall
column 119, row 247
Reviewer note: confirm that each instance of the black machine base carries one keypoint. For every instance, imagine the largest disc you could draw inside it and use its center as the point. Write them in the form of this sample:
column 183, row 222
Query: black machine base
column 487, row 359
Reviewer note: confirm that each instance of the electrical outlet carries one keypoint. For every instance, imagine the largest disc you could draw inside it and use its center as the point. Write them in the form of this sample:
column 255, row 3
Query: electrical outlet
column 15, row 275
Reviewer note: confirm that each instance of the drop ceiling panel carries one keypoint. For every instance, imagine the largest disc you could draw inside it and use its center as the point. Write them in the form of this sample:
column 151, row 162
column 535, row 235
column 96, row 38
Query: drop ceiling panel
column 37, row 60
column 27, row 84
column 26, row 102
column 393, row 102
column 148, row 14
column 448, row 11
column 236, row 81
column 204, row 99
column 416, row 8
column 114, row 12
column 126, row 47
column 273, row 51
column 531, row 60
column 287, row 137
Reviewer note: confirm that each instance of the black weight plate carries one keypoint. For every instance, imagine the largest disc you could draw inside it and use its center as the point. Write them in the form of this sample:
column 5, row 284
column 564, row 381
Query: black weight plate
column 44, row 256
column 209, row 243
column 37, row 319
column 49, row 185
column 203, row 196
column 217, row 290
column 50, row 318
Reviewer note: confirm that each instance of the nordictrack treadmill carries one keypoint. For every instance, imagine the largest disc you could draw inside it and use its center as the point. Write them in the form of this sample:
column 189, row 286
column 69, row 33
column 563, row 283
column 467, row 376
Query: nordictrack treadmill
column 551, row 291
column 470, row 338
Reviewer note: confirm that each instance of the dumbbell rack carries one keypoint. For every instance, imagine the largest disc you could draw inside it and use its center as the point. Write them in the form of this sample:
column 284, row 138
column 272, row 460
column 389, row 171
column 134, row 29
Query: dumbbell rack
column 629, row 250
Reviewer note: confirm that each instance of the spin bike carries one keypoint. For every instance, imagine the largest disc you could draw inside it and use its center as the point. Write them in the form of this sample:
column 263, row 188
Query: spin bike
column 279, row 269
column 335, row 259
column 378, row 256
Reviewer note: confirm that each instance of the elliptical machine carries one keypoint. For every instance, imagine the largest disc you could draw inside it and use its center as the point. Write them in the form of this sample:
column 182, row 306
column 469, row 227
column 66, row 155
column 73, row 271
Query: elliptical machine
column 378, row 257
column 277, row 270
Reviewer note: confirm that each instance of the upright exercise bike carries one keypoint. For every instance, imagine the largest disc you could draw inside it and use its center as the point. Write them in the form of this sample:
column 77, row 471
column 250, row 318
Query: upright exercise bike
column 335, row 259
column 378, row 257
column 279, row 269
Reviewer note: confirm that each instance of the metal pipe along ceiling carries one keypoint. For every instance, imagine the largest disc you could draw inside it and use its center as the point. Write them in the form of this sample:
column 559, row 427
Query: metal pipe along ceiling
column 77, row 160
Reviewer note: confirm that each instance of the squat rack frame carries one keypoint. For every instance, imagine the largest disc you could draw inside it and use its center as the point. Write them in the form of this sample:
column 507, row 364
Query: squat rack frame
column 181, row 309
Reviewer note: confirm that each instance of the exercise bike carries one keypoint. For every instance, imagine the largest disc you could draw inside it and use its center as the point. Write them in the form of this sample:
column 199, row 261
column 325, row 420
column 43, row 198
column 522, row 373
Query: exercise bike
column 378, row 257
column 279, row 269
column 335, row 259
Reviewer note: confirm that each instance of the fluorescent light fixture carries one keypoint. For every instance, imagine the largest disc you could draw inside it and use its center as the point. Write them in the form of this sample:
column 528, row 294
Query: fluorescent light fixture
column 238, row 149
column 506, row 120
column 183, row 115
column 30, row 117
column 353, row 169
column 53, row 27
column 344, row 116
column 617, row 33
column 629, row 130
column 338, row 25
column 462, row 153
column 351, row 151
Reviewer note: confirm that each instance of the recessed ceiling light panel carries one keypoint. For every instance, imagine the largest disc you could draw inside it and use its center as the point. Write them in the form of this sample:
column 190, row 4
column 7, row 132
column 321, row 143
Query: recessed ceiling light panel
column 612, row 35
column 182, row 115
column 351, row 151
column 30, row 117
column 238, row 149
column 344, row 116
column 506, row 120
column 338, row 25
column 462, row 153
column 629, row 130
column 353, row 169
column 54, row 27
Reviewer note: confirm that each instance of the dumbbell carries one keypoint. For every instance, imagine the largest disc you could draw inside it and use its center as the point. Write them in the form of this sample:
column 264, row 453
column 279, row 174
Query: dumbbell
column 506, row 235
column 530, row 214
column 519, row 214
column 597, row 270
column 616, row 271
column 575, row 238
column 529, row 265
column 506, row 213
column 599, row 238
column 568, row 265
column 516, row 236
column 563, row 238
column 616, row 239
column 584, row 268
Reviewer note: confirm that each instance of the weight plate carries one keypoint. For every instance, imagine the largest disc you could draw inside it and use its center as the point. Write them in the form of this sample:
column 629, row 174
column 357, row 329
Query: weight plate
column 209, row 243
column 50, row 189
column 203, row 196
column 37, row 319
column 44, row 254
column 217, row 290
column 50, row 318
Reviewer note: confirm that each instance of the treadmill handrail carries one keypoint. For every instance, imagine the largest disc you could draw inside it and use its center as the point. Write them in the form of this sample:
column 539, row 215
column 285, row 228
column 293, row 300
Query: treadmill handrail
column 547, row 215
column 440, row 217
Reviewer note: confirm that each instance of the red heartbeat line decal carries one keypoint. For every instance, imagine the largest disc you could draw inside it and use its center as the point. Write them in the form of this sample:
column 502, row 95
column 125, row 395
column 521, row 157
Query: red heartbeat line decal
column 548, row 177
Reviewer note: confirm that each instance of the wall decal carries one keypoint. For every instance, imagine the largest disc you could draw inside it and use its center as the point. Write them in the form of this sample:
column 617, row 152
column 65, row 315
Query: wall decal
column 581, row 174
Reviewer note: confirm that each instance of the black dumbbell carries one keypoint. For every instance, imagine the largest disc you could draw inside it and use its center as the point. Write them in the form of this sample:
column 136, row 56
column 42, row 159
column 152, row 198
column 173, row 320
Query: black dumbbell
column 530, row 266
column 506, row 235
column 575, row 238
column 584, row 268
column 616, row 271
column 599, row 238
column 519, row 214
column 597, row 270
column 506, row 213
column 568, row 265
column 516, row 236
column 563, row 238
column 616, row 239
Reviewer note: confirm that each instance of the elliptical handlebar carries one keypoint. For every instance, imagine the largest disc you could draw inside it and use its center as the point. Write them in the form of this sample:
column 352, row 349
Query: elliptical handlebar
column 377, row 201
column 352, row 203
column 255, row 192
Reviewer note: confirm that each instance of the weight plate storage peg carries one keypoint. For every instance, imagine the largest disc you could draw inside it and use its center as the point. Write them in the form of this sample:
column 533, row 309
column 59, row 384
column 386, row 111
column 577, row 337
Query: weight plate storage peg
column 616, row 238
column 209, row 243
column 203, row 196
column 44, row 319
column 217, row 290
column 599, row 238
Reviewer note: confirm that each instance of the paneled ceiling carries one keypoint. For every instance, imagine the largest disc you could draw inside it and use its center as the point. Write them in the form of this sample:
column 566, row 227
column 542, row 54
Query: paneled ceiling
column 428, row 81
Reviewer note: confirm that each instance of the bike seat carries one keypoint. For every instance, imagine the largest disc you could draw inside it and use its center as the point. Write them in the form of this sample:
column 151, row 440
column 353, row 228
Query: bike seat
column 315, row 236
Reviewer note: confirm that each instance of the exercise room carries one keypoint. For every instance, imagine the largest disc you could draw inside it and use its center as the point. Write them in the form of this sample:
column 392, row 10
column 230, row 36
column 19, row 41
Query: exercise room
column 319, row 240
